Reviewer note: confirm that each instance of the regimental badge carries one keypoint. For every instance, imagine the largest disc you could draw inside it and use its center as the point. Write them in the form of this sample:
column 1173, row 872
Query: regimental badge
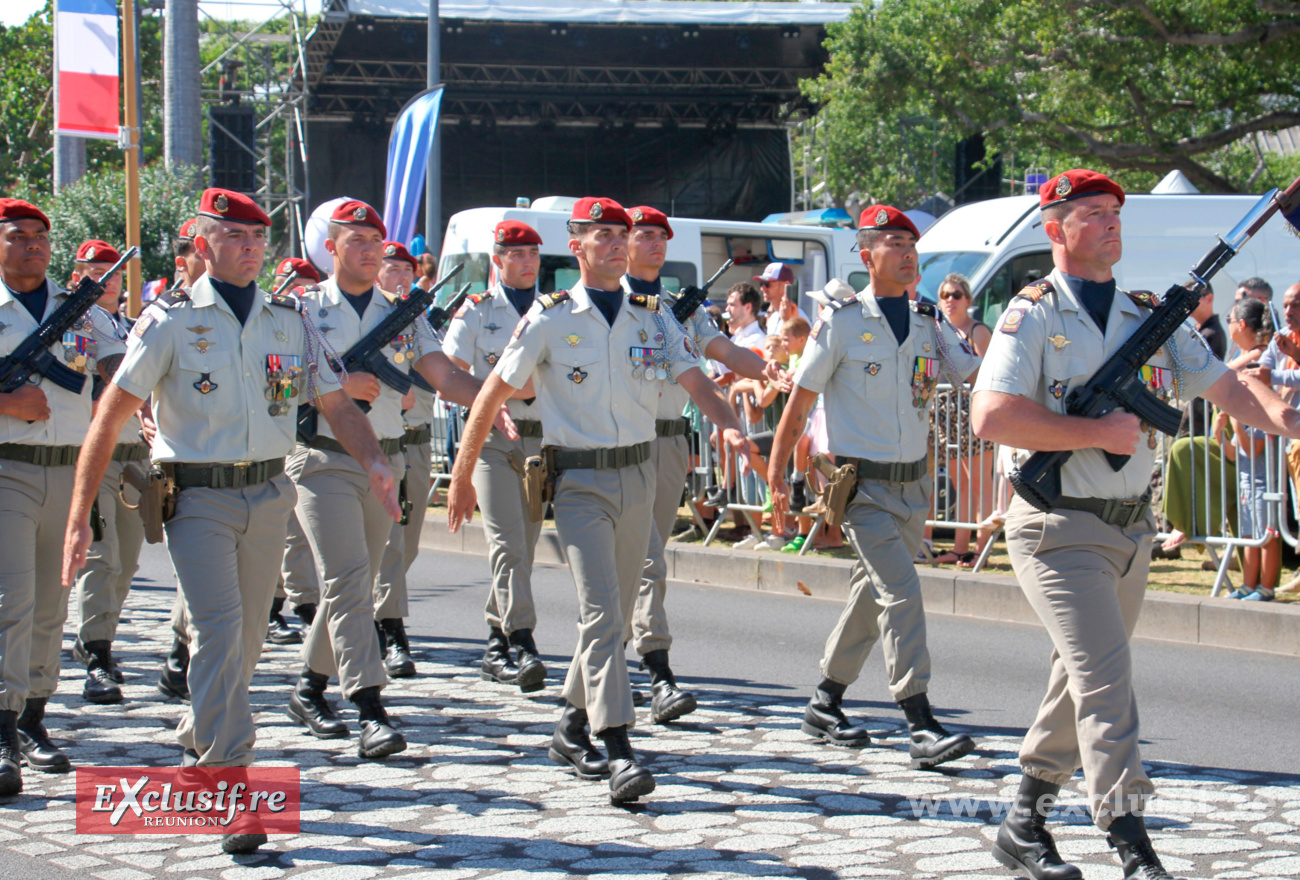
column 925, row 347
column 865, row 337
column 501, row 236
column 1011, row 320
column 492, row 357
column 1059, row 342
column 221, row 203
column 1057, row 389
column 643, row 336
column 390, row 251
column 359, row 215
column 202, row 345
column 817, row 328
column 637, row 216
column 283, row 381
column 577, row 376
column 595, row 213
column 90, row 254
column 690, row 347
column 281, row 337
column 882, row 217
column 1063, row 186
column 873, row 368
column 573, row 339
column 143, row 324
column 520, row 327
column 205, row 385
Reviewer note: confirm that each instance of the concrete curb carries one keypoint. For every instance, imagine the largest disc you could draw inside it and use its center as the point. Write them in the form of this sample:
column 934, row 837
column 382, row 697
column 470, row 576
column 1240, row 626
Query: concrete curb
column 1173, row 617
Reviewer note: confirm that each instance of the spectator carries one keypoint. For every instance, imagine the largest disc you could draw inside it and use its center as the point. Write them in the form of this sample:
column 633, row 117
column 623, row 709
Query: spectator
column 1212, row 332
column 756, row 395
column 428, row 271
column 743, row 303
column 775, row 281
column 1254, row 287
column 1280, row 367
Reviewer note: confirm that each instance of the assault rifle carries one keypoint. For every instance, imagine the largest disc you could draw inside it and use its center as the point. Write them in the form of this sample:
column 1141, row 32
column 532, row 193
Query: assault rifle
column 439, row 318
column 1118, row 384
column 691, row 298
column 33, row 357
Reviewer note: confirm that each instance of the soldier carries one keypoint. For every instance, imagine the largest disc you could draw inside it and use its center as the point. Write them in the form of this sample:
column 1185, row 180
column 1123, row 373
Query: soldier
column 877, row 358
column 475, row 341
column 42, row 426
column 1083, row 565
column 396, row 278
column 224, row 448
column 103, row 585
column 189, row 265
column 599, row 360
column 647, row 249
column 296, row 268
column 346, row 529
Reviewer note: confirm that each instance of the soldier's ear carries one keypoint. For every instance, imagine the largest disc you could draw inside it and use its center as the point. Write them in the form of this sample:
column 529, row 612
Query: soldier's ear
column 1055, row 234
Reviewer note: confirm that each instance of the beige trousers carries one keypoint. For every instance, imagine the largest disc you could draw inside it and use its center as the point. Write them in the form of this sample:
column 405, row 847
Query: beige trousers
column 884, row 524
column 391, row 596
column 648, row 627
column 1085, row 581
column 603, row 519
column 226, row 545
column 299, row 582
column 511, row 538
column 347, row 529
column 104, row 583
column 34, row 504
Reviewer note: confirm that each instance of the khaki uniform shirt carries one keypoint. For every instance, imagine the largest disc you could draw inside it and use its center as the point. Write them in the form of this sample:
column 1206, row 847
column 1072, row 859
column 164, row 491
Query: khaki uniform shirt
column 1043, row 351
column 94, row 336
column 877, row 391
column 342, row 328
column 478, row 335
column 421, row 413
column 590, row 378
column 702, row 330
column 216, row 395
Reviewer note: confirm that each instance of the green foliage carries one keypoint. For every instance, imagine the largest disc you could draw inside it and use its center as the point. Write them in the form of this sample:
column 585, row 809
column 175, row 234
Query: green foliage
column 1134, row 87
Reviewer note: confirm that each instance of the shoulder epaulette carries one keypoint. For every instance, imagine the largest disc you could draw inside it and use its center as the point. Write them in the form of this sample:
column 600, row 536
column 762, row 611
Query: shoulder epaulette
column 285, row 301
column 1036, row 291
column 476, row 298
column 924, row 309
column 1144, row 298
column 548, row 300
column 834, row 305
column 170, row 298
column 645, row 301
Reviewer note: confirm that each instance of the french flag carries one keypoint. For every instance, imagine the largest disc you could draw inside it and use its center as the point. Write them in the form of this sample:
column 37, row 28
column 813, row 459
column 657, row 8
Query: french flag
column 86, row 63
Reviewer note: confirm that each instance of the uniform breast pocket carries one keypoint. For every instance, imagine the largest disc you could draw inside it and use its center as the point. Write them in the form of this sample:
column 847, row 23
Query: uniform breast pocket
column 205, row 373
column 487, row 351
column 577, row 366
column 871, row 369
column 1060, row 372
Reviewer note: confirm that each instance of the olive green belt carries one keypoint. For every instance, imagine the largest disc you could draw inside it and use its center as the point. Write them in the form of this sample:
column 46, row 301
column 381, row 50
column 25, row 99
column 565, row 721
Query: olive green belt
column 130, row 452
column 562, row 459
column 671, row 427
column 44, row 456
column 887, row 471
column 222, row 476
column 417, row 436
column 1117, row 512
column 388, row 446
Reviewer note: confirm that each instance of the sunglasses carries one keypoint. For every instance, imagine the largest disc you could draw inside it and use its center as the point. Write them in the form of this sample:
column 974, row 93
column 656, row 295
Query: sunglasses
column 952, row 294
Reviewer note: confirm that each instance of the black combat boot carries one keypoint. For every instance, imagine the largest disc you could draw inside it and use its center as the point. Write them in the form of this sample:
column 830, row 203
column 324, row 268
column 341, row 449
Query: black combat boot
column 628, row 780
column 11, row 776
column 497, row 665
column 1024, row 844
column 378, row 738
column 573, row 749
column 824, row 719
column 397, row 650
column 242, row 844
column 931, row 744
column 279, row 632
column 531, row 674
column 41, row 754
column 174, row 681
column 100, row 687
column 81, row 655
column 1128, row 834
column 667, row 701
column 306, row 612
column 308, row 706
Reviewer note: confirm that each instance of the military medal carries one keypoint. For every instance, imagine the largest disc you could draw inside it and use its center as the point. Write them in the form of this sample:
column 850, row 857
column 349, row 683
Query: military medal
column 399, row 356
column 205, row 385
column 923, row 380
column 660, row 373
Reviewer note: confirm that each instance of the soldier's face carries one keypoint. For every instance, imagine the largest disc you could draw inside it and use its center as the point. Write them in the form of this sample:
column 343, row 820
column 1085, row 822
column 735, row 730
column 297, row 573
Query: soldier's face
column 24, row 250
column 396, row 276
column 519, row 266
column 647, row 248
column 112, row 287
column 893, row 257
column 602, row 252
column 1090, row 232
column 358, row 251
column 234, row 253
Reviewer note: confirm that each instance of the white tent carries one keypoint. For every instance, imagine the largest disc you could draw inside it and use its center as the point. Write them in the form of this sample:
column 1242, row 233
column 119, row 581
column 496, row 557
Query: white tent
column 1175, row 183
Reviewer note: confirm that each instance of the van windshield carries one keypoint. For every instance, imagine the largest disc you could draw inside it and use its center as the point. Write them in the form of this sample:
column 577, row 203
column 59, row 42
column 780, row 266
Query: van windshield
column 937, row 266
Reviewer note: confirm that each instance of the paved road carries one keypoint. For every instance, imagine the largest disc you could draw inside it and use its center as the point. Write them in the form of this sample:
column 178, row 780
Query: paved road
column 742, row 792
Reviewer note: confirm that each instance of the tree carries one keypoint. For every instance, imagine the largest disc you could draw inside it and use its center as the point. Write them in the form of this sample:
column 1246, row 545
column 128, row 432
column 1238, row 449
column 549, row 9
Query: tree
column 1135, row 87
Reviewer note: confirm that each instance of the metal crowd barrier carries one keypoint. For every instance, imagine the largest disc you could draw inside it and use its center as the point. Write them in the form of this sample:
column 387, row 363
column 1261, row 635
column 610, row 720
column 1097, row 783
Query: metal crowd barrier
column 445, row 431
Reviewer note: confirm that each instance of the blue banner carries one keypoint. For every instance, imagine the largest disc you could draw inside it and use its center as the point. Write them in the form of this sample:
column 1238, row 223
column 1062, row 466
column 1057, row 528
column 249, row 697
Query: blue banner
column 408, row 163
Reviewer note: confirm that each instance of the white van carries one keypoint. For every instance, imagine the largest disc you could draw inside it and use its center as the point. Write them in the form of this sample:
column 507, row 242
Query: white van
column 1001, row 247
column 698, row 248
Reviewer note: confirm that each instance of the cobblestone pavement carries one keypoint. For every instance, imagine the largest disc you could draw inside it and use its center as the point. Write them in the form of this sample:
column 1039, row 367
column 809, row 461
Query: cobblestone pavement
column 741, row 792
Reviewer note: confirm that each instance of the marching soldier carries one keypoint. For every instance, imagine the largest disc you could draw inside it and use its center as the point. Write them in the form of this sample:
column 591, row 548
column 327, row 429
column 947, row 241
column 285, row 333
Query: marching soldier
column 112, row 561
column 877, row 359
column 42, row 427
column 599, row 360
column 475, row 341
column 1083, row 564
column 346, row 529
column 647, row 249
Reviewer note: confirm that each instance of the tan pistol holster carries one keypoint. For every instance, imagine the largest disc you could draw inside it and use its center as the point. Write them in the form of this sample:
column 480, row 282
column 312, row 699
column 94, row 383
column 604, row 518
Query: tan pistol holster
column 158, row 494
column 841, row 484
column 537, row 484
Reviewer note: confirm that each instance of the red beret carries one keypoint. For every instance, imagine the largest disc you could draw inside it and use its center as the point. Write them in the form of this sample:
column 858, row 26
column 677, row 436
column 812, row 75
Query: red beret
column 1075, row 184
column 187, row 229
column 225, row 204
column 647, row 216
column 597, row 210
column 395, row 250
column 17, row 209
column 515, row 232
column 355, row 212
column 886, row 217
column 301, row 268
column 96, row 251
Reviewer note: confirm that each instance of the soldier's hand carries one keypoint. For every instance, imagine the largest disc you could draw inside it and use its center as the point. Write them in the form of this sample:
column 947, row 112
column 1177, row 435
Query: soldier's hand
column 505, row 424
column 362, row 386
column 27, row 403
column 737, row 444
column 408, row 399
column 148, row 427
column 1120, row 432
column 461, row 499
column 76, row 541
column 384, row 485
column 779, row 492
